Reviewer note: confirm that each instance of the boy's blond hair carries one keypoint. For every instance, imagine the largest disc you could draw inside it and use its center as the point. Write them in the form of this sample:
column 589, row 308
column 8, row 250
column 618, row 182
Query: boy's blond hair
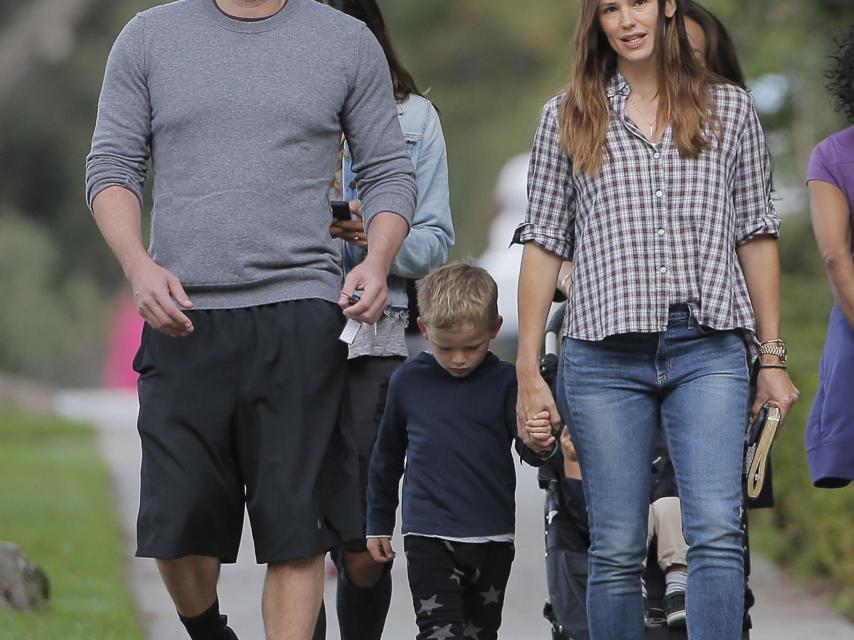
column 458, row 295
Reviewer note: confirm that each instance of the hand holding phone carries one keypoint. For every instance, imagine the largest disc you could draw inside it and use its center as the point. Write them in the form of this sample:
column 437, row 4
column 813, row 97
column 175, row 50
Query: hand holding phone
column 340, row 209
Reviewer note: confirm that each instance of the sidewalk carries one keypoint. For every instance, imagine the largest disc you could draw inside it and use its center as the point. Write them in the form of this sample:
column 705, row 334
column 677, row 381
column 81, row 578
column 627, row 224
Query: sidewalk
column 784, row 610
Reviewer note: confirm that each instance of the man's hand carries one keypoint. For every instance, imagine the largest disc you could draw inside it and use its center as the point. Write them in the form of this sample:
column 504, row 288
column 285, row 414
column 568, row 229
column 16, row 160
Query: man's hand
column 534, row 398
column 380, row 549
column 369, row 278
column 539, row 429
column 155, row 291
column 775, row 387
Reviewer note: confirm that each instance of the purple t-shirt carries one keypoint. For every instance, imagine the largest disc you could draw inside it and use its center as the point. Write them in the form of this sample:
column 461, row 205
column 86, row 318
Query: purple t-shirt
column 832, row 161
column 830, row 429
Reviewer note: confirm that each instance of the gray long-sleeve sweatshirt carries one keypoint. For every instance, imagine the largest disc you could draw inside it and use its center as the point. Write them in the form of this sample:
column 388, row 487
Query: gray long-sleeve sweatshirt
column 242, row 122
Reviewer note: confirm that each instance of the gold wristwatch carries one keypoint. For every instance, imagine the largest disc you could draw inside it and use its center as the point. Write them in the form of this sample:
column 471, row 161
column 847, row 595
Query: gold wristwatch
column 774, row 348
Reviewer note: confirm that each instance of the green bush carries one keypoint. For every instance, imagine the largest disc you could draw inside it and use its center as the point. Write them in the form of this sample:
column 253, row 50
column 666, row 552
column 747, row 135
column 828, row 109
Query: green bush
column 50, row 318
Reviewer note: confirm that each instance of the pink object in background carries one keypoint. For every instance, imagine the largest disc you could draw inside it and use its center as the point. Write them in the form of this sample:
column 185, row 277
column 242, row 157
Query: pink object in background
column 122, row 345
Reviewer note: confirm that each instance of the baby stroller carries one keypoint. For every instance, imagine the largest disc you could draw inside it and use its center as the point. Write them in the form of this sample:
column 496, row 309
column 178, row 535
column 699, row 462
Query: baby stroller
column 567, row 538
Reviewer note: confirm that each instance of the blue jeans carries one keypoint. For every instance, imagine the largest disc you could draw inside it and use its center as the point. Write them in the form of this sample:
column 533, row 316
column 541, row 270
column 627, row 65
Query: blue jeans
column 692, row 383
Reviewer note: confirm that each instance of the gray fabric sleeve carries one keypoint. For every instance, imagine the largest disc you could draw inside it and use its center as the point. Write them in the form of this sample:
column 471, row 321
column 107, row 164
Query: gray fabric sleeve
column 381, row 163
column 120, row 144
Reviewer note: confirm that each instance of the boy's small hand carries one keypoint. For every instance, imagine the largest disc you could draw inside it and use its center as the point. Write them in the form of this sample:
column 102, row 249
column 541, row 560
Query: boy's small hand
column 539, row 430
column 566, row 446
column 571, row 468
column 380, row 549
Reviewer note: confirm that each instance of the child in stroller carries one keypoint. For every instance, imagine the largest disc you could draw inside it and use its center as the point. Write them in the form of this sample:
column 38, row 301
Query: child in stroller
column 567, row 537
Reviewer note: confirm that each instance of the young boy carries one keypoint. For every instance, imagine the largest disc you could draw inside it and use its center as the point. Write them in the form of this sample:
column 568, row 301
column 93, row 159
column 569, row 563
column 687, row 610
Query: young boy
column 451, row 414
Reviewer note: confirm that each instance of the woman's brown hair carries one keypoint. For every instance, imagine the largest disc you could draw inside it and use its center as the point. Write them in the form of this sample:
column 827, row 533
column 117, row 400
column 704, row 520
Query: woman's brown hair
column 720, row 52
column 369, row 12
column 683, row 91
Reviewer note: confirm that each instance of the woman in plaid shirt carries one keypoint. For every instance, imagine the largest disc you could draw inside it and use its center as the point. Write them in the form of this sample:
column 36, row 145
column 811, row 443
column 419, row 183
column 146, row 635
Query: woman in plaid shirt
column 652, row 176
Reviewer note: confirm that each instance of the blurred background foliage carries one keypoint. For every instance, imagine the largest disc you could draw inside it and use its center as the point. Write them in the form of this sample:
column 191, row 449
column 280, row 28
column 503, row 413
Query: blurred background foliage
column 489, row 66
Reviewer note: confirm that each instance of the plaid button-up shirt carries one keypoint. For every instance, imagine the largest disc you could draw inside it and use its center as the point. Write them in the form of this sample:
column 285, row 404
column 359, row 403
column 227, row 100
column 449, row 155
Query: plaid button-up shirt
column 652, row 229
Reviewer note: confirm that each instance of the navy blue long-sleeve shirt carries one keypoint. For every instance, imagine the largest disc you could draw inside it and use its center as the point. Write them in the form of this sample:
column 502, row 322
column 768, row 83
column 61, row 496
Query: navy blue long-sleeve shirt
column 455, row 435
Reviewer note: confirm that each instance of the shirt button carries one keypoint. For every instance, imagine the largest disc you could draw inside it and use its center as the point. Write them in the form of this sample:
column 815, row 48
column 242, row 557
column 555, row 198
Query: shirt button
column 656, row 155
column 660, row 232
column 662, row 270
column 659, row 193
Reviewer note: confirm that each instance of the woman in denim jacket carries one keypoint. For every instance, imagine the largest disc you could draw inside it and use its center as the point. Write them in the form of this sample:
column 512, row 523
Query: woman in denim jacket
column 364, row 587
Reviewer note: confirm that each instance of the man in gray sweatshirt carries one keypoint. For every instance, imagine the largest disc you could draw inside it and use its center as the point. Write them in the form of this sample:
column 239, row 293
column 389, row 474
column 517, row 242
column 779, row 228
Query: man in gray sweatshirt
column 240, row 106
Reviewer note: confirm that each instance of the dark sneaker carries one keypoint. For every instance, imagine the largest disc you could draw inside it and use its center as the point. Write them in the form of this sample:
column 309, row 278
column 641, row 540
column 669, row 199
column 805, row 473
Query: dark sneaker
column 674, row 609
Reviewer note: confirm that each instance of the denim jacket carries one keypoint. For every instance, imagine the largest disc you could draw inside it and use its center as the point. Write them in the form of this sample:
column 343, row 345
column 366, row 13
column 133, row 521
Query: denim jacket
column 431, row 235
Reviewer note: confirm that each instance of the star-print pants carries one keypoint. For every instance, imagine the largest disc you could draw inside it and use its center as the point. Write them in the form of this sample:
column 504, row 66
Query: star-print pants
column 457, row 587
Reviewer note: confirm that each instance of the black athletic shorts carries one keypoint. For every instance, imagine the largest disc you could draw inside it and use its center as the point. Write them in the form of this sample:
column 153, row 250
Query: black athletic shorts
column 251, row 409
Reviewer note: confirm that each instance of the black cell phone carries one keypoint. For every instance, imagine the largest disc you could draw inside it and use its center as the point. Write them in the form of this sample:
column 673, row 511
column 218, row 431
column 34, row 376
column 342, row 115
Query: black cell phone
column 340, row 209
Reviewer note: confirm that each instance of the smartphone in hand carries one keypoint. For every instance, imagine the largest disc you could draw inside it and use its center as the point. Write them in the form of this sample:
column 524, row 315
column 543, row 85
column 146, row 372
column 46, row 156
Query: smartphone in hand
column 340, row 209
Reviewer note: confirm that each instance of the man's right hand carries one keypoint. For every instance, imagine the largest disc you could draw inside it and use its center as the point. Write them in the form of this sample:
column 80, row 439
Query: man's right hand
column 155, row 291
column 380, row 549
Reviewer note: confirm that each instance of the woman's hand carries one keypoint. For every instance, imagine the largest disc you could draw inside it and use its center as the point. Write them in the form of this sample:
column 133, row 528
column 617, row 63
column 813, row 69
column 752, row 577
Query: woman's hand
column 536, row 403
column 352, row 231
column 773, row 386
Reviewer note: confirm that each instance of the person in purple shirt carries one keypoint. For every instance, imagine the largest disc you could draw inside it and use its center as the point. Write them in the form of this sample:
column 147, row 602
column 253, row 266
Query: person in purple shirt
column 830, row 430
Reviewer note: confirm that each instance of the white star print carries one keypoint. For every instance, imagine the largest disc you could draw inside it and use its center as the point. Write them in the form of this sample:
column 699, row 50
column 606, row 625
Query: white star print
column 441, row 633
column 491, row 596
column 471, row 631
column 428, row 605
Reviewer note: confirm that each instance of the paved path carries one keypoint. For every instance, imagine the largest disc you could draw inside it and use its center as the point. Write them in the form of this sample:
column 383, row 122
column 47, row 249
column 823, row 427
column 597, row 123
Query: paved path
column 784, row 611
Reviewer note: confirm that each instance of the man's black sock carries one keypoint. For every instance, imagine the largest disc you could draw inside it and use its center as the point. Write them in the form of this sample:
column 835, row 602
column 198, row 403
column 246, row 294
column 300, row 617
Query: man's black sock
column 209, row 625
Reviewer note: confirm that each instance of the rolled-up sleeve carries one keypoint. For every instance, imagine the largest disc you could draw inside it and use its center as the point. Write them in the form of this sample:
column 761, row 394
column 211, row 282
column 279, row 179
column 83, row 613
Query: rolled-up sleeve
column 120, row 144
column 550, row 218
column 381, row 163
column 754, row 208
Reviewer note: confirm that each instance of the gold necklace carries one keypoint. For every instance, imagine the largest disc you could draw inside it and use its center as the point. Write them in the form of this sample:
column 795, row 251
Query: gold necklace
column 650, row 123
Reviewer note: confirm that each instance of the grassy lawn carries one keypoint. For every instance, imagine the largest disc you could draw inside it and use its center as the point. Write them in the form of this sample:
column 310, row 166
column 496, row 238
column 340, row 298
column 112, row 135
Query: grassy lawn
column 55, row 504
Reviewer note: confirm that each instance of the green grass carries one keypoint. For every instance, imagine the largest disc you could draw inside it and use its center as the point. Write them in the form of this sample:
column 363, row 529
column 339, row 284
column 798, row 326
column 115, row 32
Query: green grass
column 55, row 504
